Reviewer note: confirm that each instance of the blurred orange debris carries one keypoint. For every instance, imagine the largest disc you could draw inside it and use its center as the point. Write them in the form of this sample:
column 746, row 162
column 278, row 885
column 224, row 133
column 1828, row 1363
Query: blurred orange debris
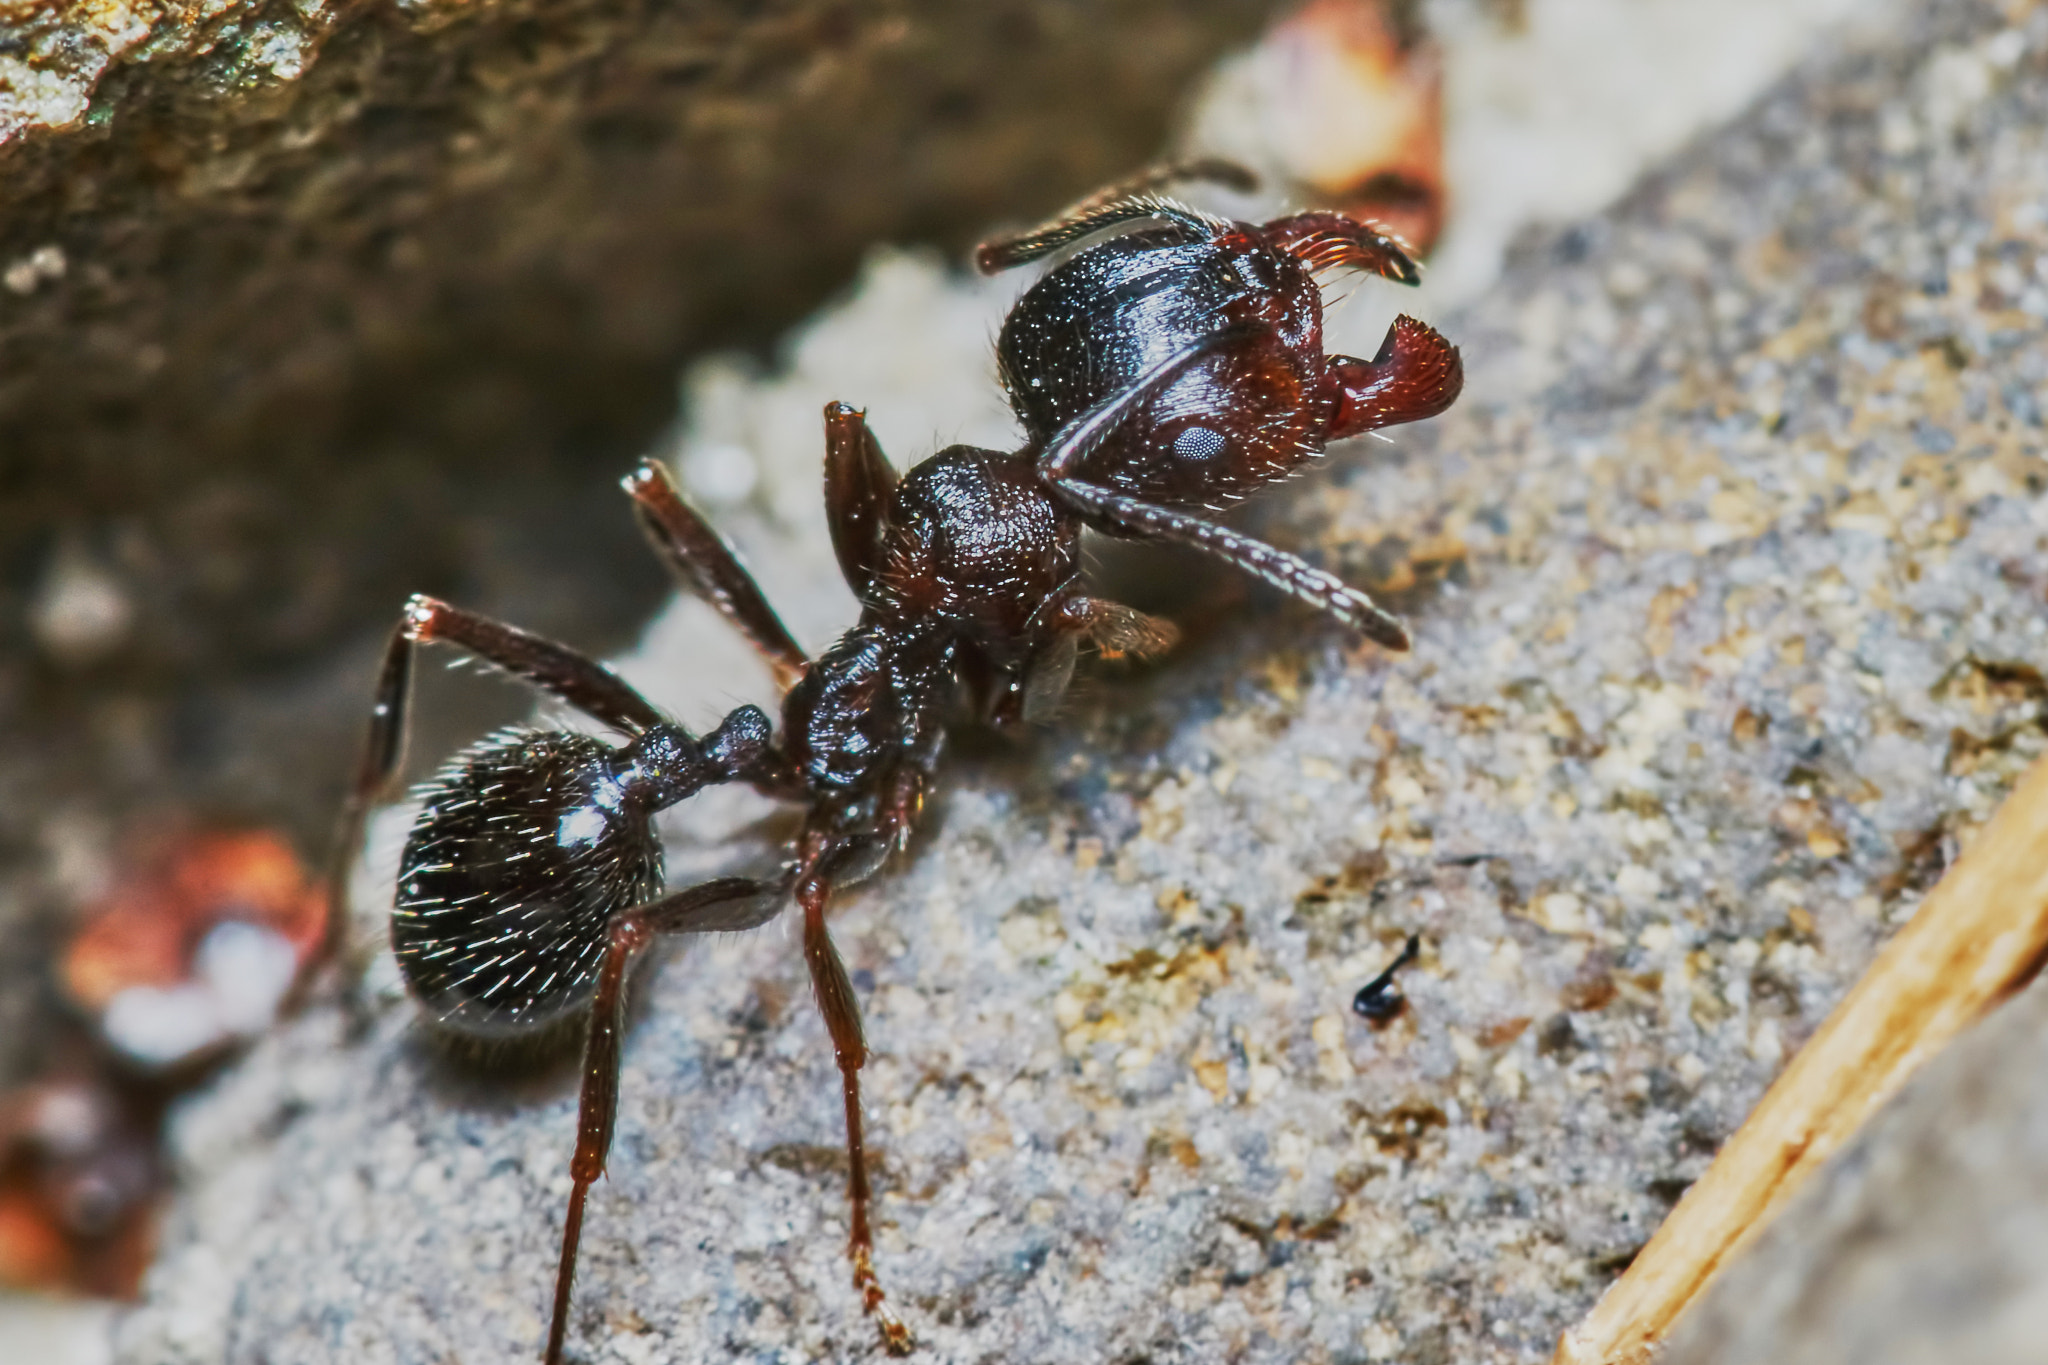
column 1341, row 104
column 148, row 930
column 78, row 1177
column 1367, row 102
column 189, row 953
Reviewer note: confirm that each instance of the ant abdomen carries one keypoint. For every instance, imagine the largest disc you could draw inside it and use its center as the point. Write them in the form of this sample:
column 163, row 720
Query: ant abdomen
column 528, row 845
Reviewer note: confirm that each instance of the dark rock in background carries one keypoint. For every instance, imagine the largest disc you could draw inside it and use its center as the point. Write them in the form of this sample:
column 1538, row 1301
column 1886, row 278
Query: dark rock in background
column 304, row 307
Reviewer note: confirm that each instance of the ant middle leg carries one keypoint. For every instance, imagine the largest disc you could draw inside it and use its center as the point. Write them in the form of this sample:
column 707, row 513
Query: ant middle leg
column 834, row 991
column 705, row 564
column 557, row 670
column 728, row 904
column 1123, row 202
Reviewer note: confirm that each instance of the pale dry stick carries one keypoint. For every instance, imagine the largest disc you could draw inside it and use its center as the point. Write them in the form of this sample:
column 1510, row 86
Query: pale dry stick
column 1980, row 935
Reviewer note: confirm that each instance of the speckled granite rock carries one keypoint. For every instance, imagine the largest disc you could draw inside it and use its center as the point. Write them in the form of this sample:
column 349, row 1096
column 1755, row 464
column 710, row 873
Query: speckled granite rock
column 1926, row 1242
column 1728, row 582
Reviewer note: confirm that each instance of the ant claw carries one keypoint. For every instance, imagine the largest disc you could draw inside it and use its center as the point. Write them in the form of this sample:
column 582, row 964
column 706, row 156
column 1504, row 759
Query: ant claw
column 896, row 1338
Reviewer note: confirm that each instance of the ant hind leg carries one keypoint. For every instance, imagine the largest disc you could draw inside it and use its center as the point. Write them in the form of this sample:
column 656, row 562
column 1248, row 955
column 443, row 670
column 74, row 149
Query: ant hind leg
column 726, row 905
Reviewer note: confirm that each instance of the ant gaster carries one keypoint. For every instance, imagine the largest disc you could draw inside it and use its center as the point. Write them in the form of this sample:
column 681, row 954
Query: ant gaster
column 1158, row 374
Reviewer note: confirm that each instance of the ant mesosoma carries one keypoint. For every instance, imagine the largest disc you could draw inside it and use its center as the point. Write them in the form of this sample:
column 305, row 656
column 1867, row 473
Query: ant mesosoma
column 1166, row 371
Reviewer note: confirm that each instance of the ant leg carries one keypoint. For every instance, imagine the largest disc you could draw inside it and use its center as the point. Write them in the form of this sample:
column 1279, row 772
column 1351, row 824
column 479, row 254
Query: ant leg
column 706, row 565
column 1292, row 575
column 559, row 671
column 1323, row 238
column 1122, row 202
column 842, row 1020
column 1416, row 374
column 376, row 767
column 858, row 479
column 727, row 904
column 1118, row 630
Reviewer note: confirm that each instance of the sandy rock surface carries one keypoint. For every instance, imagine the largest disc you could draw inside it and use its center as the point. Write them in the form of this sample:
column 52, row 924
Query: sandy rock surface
column 1728, row 583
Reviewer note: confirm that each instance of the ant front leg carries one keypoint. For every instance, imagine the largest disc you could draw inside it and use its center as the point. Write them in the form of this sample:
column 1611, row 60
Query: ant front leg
column 858, row 480
column 1322, row 238
column 834, row 991
column 727, row 905
column 1289, row 573
column 705, row 564
column 1117, row 632
column 555, row 669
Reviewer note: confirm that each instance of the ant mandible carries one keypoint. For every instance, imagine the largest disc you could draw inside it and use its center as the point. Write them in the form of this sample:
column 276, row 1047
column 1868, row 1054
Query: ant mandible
column 1169, row 370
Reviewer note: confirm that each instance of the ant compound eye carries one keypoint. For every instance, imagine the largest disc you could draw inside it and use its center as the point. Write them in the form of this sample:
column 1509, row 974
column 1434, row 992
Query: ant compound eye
column 1198, row 444
column 526, row 850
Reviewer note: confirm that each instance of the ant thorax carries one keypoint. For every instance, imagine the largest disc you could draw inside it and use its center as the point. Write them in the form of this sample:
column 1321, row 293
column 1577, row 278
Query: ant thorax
column 975, row 545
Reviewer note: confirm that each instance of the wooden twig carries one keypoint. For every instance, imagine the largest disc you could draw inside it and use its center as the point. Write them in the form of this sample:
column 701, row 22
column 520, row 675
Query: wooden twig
column 1981, row 934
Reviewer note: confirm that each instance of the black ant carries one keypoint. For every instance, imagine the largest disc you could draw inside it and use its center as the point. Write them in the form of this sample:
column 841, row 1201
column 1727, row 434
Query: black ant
column 1167, row 371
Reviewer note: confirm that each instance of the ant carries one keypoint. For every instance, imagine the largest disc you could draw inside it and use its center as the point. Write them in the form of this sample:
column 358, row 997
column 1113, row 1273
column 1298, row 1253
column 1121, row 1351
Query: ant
column 1171, row 369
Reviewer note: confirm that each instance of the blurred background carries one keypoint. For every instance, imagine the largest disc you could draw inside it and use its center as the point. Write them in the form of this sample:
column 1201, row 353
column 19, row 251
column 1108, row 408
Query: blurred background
column 307, row 307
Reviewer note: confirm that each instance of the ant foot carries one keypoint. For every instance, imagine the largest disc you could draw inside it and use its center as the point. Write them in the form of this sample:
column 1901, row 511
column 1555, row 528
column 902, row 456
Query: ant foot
column 896, row 1338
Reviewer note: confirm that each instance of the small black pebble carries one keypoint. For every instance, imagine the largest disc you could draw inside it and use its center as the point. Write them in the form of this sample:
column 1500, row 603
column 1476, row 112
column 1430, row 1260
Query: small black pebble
column 1379, row 1000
